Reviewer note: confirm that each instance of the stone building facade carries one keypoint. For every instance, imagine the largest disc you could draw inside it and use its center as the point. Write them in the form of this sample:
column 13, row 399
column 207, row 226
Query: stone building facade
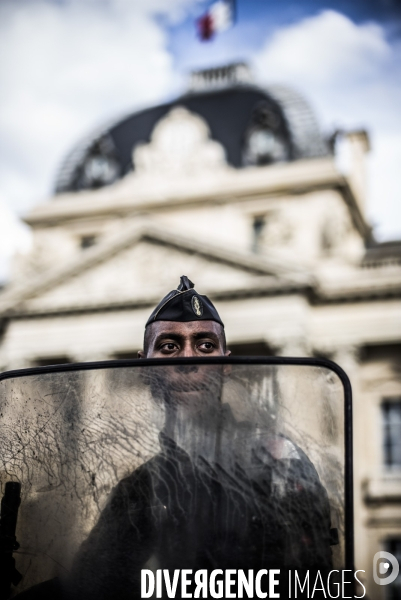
column 236, row 187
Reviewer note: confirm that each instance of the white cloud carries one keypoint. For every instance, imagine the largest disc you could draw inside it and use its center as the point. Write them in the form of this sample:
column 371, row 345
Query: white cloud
column 325, row 47
column 350, row 73
column 70, row 66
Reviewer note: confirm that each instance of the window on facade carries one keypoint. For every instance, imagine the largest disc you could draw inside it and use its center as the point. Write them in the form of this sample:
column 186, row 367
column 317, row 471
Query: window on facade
column 87, row 241
column 259, row 224
column 101, row 166
column 391, row 414
column 393, row 590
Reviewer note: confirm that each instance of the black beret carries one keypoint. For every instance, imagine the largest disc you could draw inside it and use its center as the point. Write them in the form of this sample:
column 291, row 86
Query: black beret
column 184, row 304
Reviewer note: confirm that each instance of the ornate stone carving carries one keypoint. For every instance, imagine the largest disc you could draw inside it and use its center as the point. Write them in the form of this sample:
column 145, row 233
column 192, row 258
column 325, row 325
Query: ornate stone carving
column 271, row 230
column 279, row 230
column 180, row 145
column 334, row 232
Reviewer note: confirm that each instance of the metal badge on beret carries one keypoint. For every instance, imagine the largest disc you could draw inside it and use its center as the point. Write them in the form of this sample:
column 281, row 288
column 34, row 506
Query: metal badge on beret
column 197, row 306
column 185, row 304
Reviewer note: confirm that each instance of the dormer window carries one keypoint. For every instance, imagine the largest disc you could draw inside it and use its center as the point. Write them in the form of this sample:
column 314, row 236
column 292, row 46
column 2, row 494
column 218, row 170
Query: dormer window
column 261, row 147
column 264, row 147
column 99, row 170
column 100, row 166
column 265, row 139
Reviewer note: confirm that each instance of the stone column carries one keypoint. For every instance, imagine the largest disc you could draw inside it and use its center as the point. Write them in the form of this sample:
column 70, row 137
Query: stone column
column 89, row 356
column 359, row 146
column 291, row 347
column 347, row 356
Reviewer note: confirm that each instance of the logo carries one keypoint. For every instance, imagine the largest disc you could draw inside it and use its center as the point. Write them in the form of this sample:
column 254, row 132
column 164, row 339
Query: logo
column 197, row 306
column 385, row 564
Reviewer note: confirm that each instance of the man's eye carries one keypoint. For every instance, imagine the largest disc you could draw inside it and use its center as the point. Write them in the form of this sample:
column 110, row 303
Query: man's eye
column 168, row 346
column 206, row 346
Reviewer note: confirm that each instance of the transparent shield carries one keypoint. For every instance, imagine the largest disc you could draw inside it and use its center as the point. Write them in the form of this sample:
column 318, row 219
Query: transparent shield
column 150, row 465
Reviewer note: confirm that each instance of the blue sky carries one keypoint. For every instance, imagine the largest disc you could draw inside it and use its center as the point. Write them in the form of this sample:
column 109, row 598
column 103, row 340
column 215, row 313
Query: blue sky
column 258, row 19
column 69, row 66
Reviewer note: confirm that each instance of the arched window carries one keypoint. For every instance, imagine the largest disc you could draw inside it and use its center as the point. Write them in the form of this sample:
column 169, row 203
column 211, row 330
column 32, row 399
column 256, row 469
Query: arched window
column 266, row 139
column 100, row 166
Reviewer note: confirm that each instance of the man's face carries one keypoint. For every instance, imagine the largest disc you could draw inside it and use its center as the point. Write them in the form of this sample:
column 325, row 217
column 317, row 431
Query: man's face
column 171, row 339
column 192, row 386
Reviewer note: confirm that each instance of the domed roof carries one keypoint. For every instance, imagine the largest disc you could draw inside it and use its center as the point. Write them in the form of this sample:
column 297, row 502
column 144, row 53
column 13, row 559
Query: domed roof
column 254, row 125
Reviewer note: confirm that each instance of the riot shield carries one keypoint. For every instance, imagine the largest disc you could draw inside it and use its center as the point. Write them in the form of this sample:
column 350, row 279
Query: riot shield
column 131, row 470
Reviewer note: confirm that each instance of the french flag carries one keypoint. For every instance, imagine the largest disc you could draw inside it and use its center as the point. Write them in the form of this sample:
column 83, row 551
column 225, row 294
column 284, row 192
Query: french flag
column 219, row 17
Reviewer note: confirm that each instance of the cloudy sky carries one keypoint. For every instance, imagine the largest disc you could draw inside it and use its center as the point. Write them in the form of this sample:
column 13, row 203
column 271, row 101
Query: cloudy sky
column 68, row 66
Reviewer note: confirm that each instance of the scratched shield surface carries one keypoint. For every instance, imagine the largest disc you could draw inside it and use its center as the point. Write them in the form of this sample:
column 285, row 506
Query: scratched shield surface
column 173, row 466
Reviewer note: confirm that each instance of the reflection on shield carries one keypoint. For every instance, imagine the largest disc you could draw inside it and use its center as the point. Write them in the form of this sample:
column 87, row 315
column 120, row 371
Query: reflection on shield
column 212, row 464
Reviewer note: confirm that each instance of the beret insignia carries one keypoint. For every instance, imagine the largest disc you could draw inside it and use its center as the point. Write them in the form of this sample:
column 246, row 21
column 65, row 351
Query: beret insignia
column 197, row 306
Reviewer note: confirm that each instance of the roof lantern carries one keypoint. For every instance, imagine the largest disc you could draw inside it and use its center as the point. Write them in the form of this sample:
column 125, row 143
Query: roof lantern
column 220, row 77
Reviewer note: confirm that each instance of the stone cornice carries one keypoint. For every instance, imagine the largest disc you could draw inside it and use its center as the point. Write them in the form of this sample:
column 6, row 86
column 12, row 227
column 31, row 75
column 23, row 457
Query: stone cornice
column 266, row 286
column 136, row 194
column 355, row 290
column 358, row 294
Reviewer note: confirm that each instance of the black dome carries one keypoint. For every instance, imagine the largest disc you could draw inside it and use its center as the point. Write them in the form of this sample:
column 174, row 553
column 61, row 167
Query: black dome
column 233, row 115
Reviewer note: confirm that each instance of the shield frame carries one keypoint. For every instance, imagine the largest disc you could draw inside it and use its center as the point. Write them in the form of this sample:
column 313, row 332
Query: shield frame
column 240, row 360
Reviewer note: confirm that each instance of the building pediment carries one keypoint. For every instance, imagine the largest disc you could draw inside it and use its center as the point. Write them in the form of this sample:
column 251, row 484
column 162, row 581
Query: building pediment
column 137, row 266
